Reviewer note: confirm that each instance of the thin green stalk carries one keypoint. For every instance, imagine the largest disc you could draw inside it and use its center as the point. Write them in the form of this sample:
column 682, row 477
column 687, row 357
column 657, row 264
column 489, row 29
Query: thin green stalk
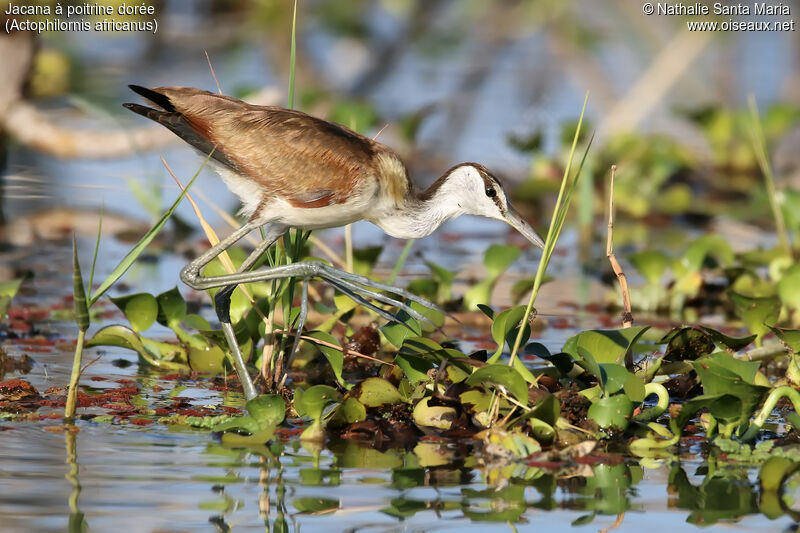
column 760, row 148
column 81, row 309
column 556, row 223
column 398, row 265
column 72, row 394
column 292, row 57
column 769, row 404
column 96, row 245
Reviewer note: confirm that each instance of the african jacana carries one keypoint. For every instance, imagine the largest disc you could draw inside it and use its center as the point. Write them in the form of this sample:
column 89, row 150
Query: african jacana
column 292, row 170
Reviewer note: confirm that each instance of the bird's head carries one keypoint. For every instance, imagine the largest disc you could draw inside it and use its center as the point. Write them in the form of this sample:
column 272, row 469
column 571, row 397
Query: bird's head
column 478, row 192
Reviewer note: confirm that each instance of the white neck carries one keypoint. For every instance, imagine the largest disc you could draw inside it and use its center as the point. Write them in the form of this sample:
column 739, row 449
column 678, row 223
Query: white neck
column 425, row 211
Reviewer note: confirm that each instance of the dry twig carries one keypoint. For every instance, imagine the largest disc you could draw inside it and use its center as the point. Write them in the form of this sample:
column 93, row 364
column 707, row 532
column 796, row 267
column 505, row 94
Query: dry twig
column 627, row 316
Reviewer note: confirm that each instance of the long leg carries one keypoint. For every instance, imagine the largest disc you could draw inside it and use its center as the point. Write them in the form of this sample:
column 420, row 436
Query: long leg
column 222, row 300
column 355, row 286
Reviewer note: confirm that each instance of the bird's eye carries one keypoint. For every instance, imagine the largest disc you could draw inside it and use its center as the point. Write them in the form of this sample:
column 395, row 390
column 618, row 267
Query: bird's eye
column 490, row 192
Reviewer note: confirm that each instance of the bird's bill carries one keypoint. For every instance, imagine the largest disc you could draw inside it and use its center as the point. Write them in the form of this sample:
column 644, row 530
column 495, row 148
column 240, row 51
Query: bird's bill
column 516, row 221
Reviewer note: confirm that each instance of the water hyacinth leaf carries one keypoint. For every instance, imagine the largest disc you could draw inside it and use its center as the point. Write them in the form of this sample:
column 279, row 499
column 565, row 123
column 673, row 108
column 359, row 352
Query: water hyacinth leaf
column 606, row 346
column 704, row 247
column 349, row 412
column 502, row 376
column 687, row 344
column 634, row 388
column 723, row 375
column 444, row 281
column 139, row 309
column 790, row 337
column 612, row 412
column 317, row 506
column 789, row 288
column 546, row 411
column 734, row 343
column 542, row 431
column 311, row 402
column 364, row 259
column 8, row 290
column 651, row 264
column 414, row 367
column 475, row 400
column 335, row 356
column 438, row 417
column 589, row 363
column 758, row 314
column 498, row 257
column 374, row 392
column 197, row 322
column 210, row 359
column 157, row 354
column 505, row 328
column 613, row 377
column 486, row 310
column 268, row 410
column 171, row 307
column 479, row 293
column 396, row 333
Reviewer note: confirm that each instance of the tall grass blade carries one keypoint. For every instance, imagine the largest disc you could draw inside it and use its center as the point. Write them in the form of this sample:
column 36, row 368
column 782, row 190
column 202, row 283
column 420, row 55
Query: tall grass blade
column 82, row 319
column 78, row 291
column 292, row 57
column 760, row 148
column 96, row 246
column 568, row 184
column 137, row 250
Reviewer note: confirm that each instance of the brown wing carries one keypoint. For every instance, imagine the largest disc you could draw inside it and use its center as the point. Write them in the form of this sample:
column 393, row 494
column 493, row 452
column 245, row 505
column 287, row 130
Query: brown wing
column 305, row 160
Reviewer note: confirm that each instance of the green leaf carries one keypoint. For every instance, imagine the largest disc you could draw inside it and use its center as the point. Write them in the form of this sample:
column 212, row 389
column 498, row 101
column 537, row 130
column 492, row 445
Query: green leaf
column 265, row 413
column 433, row 416
column 734, row 343
column 414, row 367
column 606, row 346
column 486, row 310
column 396, row 333
column 157, row 354
column 211, row 358
column 140, row 309
column 79, row 292
column 502, row 376
column 687, row 343
column 349, row 412
column 268, row 410
column 758, row 314
column 364, row 259
column 612, row 412
column 613, row 377
column 444, row 279
column 789, row 288
column 171, row 307
column 335, row 356
column 8, row 290
column 651, row 264
column 312, row 401
column 498, row 257
column 374, row 392
column 790, row 337
column 505, row 328
column 317, row 506
column 704, row 247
